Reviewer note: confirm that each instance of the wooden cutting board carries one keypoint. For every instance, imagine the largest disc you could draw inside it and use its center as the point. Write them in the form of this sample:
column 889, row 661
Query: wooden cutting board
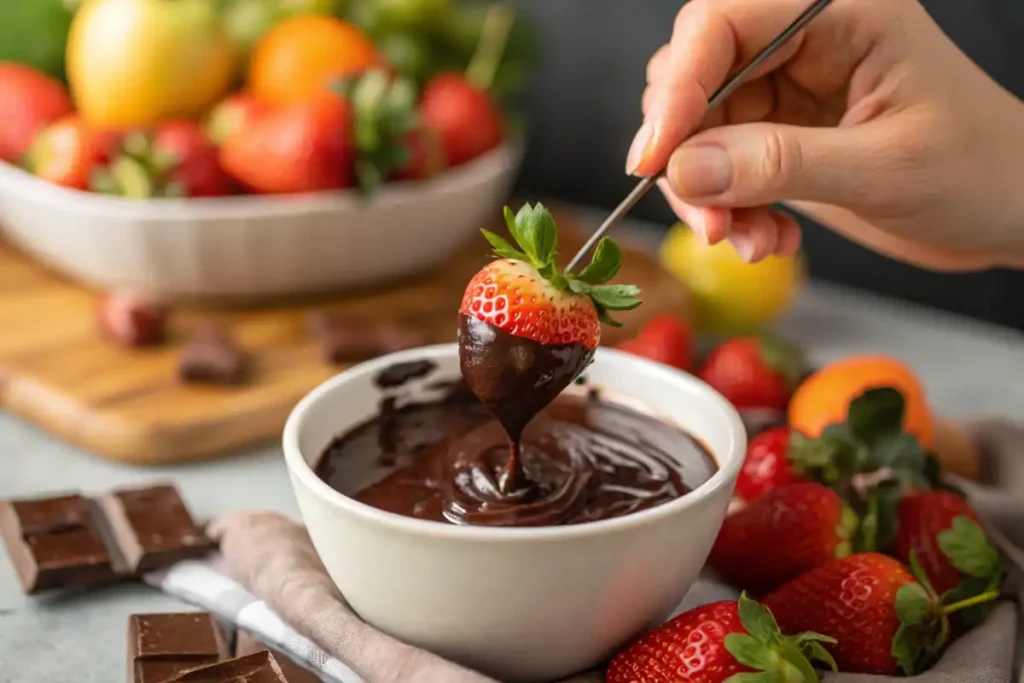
column 127, row 405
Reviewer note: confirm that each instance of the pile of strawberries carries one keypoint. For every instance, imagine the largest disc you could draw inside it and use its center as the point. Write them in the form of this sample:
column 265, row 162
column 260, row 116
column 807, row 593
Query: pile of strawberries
column 859, row 556
column 368, row 129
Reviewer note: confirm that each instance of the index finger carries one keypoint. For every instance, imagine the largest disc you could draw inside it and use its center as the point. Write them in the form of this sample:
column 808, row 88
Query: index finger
column 711, row 39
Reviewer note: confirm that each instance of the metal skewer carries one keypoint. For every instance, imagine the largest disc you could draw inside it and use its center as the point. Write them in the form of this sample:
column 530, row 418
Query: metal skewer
column 716, row 99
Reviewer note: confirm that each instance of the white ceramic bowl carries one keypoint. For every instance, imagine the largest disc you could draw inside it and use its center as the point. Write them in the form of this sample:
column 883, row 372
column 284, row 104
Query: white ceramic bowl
column 254, row 247
column 524, row 604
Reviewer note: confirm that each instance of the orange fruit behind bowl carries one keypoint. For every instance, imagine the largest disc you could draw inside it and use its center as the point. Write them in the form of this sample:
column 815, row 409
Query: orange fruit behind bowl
column 824, row 397
column 299, row 57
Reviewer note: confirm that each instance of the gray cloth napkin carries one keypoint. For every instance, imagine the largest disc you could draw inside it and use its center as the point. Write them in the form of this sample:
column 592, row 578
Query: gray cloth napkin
column 269, row 580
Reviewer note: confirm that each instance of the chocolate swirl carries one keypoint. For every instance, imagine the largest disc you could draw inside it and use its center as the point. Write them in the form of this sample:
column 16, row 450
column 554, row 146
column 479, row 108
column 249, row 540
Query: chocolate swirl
column 582, row 460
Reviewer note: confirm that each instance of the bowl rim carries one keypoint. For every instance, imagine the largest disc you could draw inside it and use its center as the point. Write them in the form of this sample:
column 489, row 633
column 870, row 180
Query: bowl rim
column 482, row 169
column 725, row 475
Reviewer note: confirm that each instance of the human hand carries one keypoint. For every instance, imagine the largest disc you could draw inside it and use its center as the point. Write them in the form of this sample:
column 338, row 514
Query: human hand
column 870, row 119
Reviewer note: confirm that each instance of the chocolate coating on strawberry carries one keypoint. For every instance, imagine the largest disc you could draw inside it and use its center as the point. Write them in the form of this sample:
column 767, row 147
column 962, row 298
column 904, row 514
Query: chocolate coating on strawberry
column 527, row 329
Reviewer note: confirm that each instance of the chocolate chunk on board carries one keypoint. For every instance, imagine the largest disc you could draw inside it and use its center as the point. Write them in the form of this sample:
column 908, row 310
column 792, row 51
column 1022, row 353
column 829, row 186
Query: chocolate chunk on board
column 350, row 339
column 162, row 646
column 152, row 527
column 57, row 543
column 70, row 541
column 247, row 644
column 260, row 667
column 211, row 356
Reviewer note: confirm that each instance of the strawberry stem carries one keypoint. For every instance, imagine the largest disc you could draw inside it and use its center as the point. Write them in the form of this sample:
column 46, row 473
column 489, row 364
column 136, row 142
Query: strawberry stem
column 971, row 602
column 483, row 66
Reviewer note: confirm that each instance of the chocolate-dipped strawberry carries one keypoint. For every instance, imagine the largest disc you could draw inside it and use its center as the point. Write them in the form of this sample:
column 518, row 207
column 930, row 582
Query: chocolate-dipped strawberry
column 527, row 329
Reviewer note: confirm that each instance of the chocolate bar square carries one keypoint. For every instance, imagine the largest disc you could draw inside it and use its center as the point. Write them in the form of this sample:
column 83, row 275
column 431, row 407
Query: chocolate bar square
column 57, row 543
column 152, row 527
column 260, row 667
column 162, row 646
column 247, row 644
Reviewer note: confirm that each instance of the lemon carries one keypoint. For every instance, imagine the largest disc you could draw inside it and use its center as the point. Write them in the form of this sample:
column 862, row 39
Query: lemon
column 730, row 296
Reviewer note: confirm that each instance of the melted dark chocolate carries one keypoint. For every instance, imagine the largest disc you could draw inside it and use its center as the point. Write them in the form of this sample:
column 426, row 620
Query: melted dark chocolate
column 583, row 460
column 515, row 378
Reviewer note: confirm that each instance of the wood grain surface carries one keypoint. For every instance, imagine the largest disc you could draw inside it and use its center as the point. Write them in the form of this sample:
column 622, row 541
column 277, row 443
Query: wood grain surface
column 128, row 405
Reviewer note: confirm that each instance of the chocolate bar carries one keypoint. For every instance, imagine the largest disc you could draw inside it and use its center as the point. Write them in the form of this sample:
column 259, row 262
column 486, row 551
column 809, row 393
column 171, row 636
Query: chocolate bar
column 260, row 667
column 162, row 646
column 70, row 541
column 247, row 644
column 153, row 527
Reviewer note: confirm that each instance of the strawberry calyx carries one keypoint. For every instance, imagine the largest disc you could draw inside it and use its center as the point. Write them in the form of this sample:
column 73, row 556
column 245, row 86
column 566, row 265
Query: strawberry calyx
column 535, row 234
column 384, row 109
column 967, row 548
column 924, row 617
column 138, row 170
column 785, row 358
column 774, row 656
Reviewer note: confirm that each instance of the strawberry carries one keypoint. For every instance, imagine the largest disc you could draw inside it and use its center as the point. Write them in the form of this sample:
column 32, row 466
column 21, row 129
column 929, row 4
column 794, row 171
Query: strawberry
column 665, row 339
column 883, row 620
column 525, row 294
column 66, row 153
column 301, row 148
column 784, row 533
column 712, row 643
column 175, row 160
column 465, row 117
column 425, row 155
column 943, row 530
column 233, row 114
column 767, row 464
column 754, row 372
column 29, row 101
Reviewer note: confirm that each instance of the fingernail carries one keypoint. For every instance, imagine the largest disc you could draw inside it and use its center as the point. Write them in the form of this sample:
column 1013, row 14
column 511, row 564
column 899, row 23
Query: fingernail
column 638, row 149
column 700, row 171
column 744, row 245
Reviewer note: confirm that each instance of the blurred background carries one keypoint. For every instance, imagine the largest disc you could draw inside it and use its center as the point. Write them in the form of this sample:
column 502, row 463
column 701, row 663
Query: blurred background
column 584, row 109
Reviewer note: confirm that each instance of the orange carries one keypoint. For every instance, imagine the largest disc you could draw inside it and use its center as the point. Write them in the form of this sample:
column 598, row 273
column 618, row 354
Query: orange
column 299, row 57
column 824, row 398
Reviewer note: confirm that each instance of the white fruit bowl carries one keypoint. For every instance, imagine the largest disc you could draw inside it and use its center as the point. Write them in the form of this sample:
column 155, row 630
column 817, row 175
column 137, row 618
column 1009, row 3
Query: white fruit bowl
column 254, row 247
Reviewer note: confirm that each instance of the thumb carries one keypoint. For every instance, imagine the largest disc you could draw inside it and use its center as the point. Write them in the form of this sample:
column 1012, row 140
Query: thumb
column 755, row 164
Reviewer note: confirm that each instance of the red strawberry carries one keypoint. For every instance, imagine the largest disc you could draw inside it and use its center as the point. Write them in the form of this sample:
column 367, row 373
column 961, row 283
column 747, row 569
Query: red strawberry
column 526, row 295
column 883, row 620
column 426, row 156
column 767, row 464
column 754, row 372
column 943, row 530
column 66, row 153
column 233, row 114
column 712, row 643
column 29, row 101
column 195, row 166
column 665, row 339
column 466, row 118
column 784, row 533
column 302, row 148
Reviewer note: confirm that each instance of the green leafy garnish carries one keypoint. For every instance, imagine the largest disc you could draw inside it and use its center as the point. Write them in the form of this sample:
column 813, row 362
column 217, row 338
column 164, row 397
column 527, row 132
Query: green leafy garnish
column 535, row 235
column 385, row 111
column 772, row 655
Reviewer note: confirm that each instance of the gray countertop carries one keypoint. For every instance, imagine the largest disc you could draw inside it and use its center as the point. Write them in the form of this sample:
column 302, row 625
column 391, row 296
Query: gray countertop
column 970, row 369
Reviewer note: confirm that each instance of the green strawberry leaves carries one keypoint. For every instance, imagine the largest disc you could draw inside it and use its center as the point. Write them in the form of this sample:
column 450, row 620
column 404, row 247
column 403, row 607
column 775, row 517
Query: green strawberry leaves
column 968, row 550
column 784, row 358
column 385, row 111
column 774, row 657
column 535, row 234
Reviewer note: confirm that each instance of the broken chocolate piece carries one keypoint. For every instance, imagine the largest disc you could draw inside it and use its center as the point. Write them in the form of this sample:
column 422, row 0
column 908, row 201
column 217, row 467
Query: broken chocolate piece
column 69, row 541
column 351, row 339
column 162, row 646
column 152, row 527
column 56, row 543
column 129, row 320
column 211, row 356
column 247, row 644
column 260, row 667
